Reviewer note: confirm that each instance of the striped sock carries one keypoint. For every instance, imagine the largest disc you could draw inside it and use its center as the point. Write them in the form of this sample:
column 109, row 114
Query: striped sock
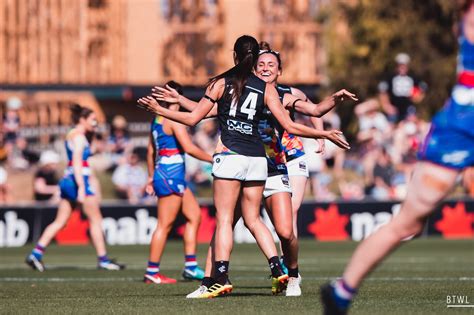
column 103, row 259
column 343, row 293
column 153, row 268
column 190, row 262
column 38, row 251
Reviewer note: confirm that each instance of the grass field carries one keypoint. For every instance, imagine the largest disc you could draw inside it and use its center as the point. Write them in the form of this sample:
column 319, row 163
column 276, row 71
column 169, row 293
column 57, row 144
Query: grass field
column 415, row 280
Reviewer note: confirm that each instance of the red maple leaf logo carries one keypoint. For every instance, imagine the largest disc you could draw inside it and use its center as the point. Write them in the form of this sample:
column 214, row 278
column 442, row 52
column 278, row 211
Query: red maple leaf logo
column 206, row 229
column 329, row 225
column 456, row 222
column 75, row 231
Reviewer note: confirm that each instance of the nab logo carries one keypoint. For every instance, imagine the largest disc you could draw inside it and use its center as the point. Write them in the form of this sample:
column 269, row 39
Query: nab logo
column 239, row 126
column 303, row 166
column 285, row 180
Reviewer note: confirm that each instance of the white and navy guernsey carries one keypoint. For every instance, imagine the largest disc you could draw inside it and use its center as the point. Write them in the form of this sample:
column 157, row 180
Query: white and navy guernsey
column 238, row 120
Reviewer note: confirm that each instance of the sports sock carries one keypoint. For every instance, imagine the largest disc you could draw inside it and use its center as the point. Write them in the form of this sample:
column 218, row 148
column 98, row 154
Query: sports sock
column 103, row 259
column 343, row 293
column 190, row 262
column 153, row 268
column 38, row 251
column 293, row 272
column 275, row 266
column 221, row 271
column 208, row 282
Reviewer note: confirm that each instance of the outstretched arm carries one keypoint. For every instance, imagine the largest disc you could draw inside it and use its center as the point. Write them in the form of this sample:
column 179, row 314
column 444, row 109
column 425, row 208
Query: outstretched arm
column 186, row 143
column 205, row 105
column 303, row 106
column 150, row 163
column 170, row 95
column 276, row 107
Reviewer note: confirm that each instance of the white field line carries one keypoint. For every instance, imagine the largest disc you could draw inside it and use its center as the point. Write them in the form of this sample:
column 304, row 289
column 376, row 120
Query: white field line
column 137, row 279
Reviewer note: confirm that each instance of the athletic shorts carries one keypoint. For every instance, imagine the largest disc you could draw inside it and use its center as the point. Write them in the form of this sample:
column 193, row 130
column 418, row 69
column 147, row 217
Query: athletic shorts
column 448, row 147
column 298, row 167
column 68, row 188
column 169, row 180
column 240, row 167
column 276, row 184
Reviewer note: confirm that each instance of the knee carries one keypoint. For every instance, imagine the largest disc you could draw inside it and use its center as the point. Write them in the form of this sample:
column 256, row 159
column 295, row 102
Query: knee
column 409, row 228
column 164, row 227
column 251, row 224
column 195, row 220
column 285, row 234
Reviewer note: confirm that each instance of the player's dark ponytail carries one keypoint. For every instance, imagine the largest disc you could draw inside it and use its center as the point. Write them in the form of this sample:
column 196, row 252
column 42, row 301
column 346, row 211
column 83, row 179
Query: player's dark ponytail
column 246, row 54
column 79, row 112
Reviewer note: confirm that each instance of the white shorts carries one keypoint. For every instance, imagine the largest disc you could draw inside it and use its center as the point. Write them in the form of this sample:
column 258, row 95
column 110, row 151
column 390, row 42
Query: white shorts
column 276, row 184
column 240, row 167
column 298, row 167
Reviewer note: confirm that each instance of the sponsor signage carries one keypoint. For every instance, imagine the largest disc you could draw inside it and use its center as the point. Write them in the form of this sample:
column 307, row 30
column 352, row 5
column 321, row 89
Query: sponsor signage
column 129, row 224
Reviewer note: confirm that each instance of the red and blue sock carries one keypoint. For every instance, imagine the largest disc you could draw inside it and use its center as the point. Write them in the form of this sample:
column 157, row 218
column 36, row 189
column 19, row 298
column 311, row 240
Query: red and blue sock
column 342, row 293
column 38, row 251
column 190, row 262
column 103, row 259
column 153, row 268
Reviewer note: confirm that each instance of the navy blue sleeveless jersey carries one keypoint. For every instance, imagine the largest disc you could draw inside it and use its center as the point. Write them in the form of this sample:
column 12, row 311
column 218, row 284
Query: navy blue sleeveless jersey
column 238, row 120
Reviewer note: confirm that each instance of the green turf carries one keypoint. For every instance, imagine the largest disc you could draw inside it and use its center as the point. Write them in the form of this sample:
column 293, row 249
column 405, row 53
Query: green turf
column 415, row 280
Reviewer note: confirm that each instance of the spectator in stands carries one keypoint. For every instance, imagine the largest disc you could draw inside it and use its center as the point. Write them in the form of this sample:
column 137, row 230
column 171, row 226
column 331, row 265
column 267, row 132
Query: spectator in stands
column 198, row 173
column 383, row 174
column 14, row 145
column 399, row 91
column 130, row 179
column 374, row 131
column 11, row 120
column 4, row 190
column 45, row 180
column 100, row 161
column 119, row 141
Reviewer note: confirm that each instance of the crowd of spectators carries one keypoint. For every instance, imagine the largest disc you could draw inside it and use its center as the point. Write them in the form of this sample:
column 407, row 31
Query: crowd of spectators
column 379, row 165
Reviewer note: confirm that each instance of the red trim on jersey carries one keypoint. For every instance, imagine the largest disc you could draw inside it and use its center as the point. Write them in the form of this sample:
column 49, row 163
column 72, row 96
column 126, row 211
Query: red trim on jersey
column 168, row 152
column 84, row 163
column 466, row 78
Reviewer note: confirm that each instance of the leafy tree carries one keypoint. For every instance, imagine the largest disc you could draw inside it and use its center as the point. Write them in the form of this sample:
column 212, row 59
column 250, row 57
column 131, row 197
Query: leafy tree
column 362, row 38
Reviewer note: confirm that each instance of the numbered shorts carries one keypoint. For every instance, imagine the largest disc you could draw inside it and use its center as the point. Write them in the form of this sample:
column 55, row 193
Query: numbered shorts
column 276, row 184
column 68, row 188
column 169, row 180
column 240, row 167
column 298, row 167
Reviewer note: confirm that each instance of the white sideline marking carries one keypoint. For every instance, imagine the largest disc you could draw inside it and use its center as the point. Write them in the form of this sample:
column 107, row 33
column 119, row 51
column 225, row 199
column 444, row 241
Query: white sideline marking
column 137, row 279
column 465, row 305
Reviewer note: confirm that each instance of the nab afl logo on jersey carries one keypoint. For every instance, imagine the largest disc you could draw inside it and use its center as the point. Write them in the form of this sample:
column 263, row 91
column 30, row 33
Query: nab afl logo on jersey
column 239, row 126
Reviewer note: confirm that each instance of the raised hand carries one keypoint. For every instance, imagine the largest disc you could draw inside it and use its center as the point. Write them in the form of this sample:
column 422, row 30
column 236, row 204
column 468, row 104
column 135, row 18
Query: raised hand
column 337, row 137
column 343, row 94
column 167, row 94
column 148, row 103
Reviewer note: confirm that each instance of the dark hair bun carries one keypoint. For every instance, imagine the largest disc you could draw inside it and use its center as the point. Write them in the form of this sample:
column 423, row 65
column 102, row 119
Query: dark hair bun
column 265, row 46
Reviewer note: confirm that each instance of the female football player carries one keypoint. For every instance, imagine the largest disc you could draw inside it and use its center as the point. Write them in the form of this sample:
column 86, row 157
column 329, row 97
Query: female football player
column 169, row 141
column 240, row 165
column 447, row 150
column 77, row 189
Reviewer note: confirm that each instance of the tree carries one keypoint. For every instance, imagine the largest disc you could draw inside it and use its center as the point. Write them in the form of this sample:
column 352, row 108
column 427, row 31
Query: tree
column 362, row 38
